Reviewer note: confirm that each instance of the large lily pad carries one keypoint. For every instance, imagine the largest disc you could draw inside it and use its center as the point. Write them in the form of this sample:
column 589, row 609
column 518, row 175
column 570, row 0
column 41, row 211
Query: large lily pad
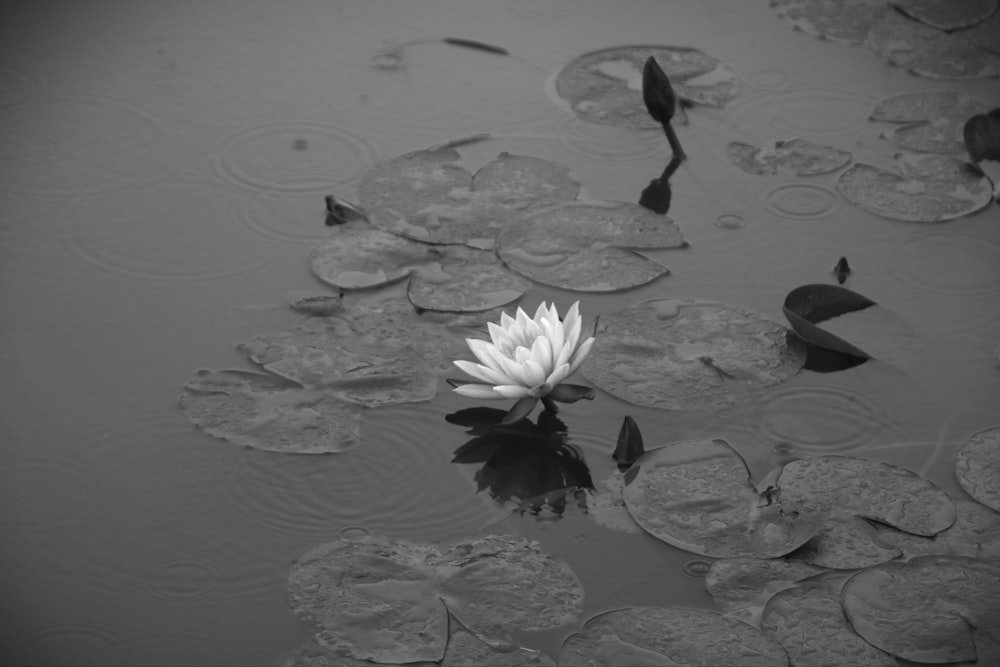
column 669, row 636
column 582, row 245
column 927, row 188
column 977, row 467
column 357, row 255
column 465, row 280
column 606, row 86
column 933, row 120
column 976, row 532
column 685, row 355
column 927, row 51
column 929, row 608
column 388, row 600
column 797, row 156
column 316, row 357
column 809, row 623
column 742, row 586
column 846, row 21
column 429, row 196
column 697, row 495
column 870, row 489
column 268, row 412
column 950, row 15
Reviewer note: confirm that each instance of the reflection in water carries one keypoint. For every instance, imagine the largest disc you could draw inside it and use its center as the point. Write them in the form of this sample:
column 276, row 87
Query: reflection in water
column 656, row 196
column 531, row 465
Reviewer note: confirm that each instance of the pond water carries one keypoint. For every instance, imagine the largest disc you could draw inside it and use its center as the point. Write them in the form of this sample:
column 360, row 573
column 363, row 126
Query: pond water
column 163, row 181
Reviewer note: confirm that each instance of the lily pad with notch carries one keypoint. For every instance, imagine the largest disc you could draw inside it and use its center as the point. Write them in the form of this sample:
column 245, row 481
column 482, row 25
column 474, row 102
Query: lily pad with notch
column 690, row 355
column 271, row 413
column 389, row 600
column 929, row 609
column 428, row 196
column 669, row 636
column 977, row 467
column 742, row 586
column 932, row 121
column 839, row 21
column 586, row 245
column 976, row 532
column 927, row 51
column 948, row 15
column 605, row 86
column 465, row 280
column 697, row 495
column 797, row 156
column 922, row 188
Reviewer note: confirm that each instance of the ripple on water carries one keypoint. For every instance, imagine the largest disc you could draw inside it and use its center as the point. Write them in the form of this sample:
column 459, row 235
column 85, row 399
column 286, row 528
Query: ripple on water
column 800, row 419
column 184, row 578
column 178, row 232
column 816, row 111
column 396, row 483
column 294, row 157
column 801, row 201
column 545, row 9
column 768, row 79
column 729, row 221
column 45, row 492
column 610, row 143
column 16, row 86
column 60, row 644
column 288, row 218
column 87, row 144
column 946, row 260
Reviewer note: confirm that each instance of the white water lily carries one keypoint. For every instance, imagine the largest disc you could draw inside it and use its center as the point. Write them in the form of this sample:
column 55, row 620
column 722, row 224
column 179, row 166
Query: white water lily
column 527, row 359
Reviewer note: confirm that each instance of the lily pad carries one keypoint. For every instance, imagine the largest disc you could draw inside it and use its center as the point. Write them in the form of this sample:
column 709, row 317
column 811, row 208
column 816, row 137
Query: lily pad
column 388, row 600
column 808, row 305
column 847, row 543
column 797, row 156
column 981, row 135
column 986, row 34
column 465, row 280
column 934, row 120
column 606, row 86
column 357, row 255
column 977, row 467
column 809, row 623
column 870, row 489
column 669, row 636
column 927, row 51
column 687, row 355
column 271, row 413
column 950, row 15
column 466, row 649
column 697, row 495
column 742, row 586
column 929, row 608
column 976, row 532
column 607, row 507
column 315, row 357
column 582, row 245
column 928, row 188
column 429, row 196
column 846, row 21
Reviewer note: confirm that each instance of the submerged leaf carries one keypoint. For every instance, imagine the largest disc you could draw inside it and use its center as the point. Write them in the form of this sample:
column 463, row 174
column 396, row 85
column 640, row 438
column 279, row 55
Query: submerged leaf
column 683, row 355
column 934, row 120
column 742, row 586
column 466, row 649
column 808, row 621
column 976, row 532
column 798, row 156
column 846, row 21
column 846, row 543
column 271, row 413
column 581, row 245
column 697, row 495
column 606, row 86
column 929, row 608
column 929, row 188
column 977, row 467
column 949, row 15
column 669, row 636
column 926, row 51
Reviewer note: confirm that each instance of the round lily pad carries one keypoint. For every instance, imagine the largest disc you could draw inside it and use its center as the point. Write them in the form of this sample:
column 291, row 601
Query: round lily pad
column 808, row 621
column 927, row 51
column 950, row 15
column 388, row 600
column 669, row 636
column 929, row 188
column 697, row 495
column 840, row 21
column 606, row 86
column 929, row 608
column 429, row 196
column 357, row 255
column 977, row 467
column 465, row 280
column 870, row 489
column 742, row 586
column 582, row 245
column 797, row 156
column 976, row 532
column 268, row 412
column 680, row 355
column 934, row 120
column 315, row 357
column 846, row 543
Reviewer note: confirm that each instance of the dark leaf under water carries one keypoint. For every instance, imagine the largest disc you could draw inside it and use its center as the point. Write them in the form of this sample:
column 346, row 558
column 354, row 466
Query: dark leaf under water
column 797, row 156
column 932, row 121
column 837, row 21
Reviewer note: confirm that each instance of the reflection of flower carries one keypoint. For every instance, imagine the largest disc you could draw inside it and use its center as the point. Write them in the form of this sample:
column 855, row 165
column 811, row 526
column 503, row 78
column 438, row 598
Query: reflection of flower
column 527, row 359
column 528, row 465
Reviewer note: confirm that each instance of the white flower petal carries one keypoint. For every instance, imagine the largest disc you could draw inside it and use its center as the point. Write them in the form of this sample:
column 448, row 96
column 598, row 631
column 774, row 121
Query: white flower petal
column 511, row 391
column 541, row 352
column 485, row 352
column 558, row 375
column 580, row 354
column 514, row 371
column 481, row 372
column 477, row 391
column 534, row 374
column 521, row 354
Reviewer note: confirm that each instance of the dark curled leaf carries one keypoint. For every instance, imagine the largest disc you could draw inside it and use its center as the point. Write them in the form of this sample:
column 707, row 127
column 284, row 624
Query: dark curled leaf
column 808, row 305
